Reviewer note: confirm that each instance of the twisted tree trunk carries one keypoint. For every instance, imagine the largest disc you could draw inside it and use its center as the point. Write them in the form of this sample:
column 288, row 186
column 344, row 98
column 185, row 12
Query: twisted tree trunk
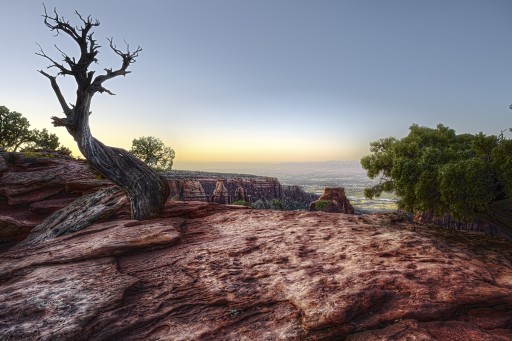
column 145, row 188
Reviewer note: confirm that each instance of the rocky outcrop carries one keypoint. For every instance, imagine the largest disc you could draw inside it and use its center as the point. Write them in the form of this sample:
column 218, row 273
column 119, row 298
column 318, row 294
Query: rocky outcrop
column 333, row 200
column 262, row 275
column 187, row 190
column 78, row 215
column 228, row 188
column 241, row 194
column 33, row 187
column 220, row 193
column 29, row 180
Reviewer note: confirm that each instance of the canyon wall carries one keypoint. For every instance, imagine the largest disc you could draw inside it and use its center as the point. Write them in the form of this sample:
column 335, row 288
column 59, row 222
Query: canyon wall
column 227, row 188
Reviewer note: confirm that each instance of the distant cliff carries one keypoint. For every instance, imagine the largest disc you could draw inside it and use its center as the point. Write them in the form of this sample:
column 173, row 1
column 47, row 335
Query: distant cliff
column 225, row 188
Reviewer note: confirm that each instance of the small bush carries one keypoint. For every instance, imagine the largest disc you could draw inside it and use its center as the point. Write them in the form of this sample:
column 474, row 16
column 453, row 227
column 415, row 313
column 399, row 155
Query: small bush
column 276, row 204
column 31, row 155
column 321, row 205
column 259, row 205
column 241, row 203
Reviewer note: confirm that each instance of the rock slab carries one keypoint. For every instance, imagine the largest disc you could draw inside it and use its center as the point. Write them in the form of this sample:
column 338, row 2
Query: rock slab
column 258, row 275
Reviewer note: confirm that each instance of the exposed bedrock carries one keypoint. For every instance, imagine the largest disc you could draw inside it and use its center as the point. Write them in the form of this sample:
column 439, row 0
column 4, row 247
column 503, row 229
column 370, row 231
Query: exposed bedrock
column 258, row 275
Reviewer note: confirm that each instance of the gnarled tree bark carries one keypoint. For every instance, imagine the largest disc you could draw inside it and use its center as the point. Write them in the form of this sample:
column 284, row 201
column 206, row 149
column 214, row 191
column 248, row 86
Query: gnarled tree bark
column 146, row 189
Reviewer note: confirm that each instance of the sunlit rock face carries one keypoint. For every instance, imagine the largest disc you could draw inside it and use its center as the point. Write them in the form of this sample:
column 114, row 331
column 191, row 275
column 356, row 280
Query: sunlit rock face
column 333, row 200
column 212, row 272
column 190, row 186
column 187, row 190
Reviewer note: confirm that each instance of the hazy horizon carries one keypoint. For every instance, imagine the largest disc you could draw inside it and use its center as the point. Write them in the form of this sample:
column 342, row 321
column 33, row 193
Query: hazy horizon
column 272, row 80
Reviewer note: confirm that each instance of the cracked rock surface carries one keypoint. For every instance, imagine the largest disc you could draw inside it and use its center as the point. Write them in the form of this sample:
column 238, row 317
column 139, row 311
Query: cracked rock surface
column 258, row 275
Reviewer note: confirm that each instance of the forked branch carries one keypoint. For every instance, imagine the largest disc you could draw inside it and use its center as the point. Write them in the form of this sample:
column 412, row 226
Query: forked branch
column 127, row 57
column 83, row 36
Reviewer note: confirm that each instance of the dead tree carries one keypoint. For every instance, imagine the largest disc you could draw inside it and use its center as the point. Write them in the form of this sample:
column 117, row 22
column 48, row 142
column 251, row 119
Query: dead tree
column 145, row 188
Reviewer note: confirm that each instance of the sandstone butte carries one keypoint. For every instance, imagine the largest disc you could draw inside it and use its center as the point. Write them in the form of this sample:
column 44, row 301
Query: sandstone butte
column 219, row 272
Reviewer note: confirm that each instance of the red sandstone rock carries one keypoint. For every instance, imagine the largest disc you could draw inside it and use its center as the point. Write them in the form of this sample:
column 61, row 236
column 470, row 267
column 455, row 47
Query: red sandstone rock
column 50, row 206
column 202, row 187
column 41, row 179
column 335, row 201
column 220, row 194
column 15, row 224
column 187, row 190
column 241, row 194
column 86, row 186
column 259, row 275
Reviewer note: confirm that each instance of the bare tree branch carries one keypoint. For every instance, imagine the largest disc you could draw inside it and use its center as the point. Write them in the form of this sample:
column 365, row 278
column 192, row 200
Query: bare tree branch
column 59, row 24
column 67, row 110
column 127, row 57
column 63, row 71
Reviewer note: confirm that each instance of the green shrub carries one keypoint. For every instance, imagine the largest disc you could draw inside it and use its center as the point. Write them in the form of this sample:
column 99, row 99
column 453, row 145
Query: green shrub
column 259, row 205
column 241, row 203
column 276, row 204
column 321, row 205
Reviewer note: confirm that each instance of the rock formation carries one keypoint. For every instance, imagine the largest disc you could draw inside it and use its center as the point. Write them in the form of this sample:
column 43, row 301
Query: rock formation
column 241, row 194
column 205, row 274
column 223, row 272
column 333, row 200
column 33, row 187
column 220, row 193
column 250, row 187
column 187, row 190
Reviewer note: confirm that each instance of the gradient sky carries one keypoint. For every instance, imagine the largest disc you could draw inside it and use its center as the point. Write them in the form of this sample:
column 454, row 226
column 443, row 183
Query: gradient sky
column 273, row 80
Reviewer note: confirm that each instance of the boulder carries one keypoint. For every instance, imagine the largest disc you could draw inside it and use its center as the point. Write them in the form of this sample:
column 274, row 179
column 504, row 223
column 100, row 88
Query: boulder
column 333, row 200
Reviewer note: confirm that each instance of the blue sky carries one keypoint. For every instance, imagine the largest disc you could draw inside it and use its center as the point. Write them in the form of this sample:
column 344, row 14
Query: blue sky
column 273, row 80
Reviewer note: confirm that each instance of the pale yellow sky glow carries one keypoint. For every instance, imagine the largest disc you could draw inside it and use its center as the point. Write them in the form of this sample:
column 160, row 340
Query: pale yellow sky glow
column 229, row 147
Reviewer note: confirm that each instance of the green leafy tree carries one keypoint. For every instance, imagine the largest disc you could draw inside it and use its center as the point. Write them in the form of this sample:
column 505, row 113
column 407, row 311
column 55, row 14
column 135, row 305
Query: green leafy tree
column 14, row 130
column 15, row 134
column 438, row 171
column 153, row 152
column 42, row 139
